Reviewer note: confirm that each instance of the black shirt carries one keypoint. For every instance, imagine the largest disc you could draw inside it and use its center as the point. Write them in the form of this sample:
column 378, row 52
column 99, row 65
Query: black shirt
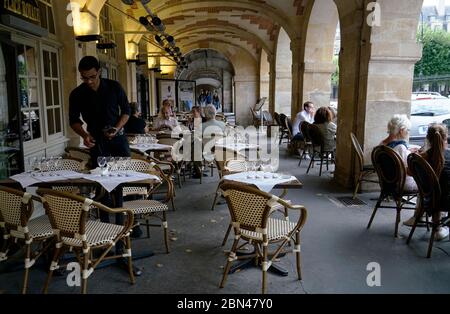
column 100, row 108
column 135, row 125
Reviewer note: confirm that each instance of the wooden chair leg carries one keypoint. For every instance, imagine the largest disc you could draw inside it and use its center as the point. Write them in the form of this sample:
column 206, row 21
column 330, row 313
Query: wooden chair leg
column 27, row 268
column 321, row 163
column 357, row 185
column 226, row 235
column 397, row 217
column 430, row 244
column 84, row 272
column 215, row 198
column 380, row 199
column 147, row 225
column 55, row 259
column 413, row 228
column 264, row 269
column 297, row 255
column 311, row 163
column 130, row 260
column 231, row 258
column 166, row 232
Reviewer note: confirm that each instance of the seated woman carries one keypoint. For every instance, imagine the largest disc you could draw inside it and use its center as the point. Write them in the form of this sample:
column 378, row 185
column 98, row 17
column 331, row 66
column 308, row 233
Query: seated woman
column 398, row 130
column 164, row 120
column 323, row 119
column 438, row 156
column 135, row 124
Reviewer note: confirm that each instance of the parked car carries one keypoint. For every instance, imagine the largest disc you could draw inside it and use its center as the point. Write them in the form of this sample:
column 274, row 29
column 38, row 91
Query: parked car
column 425, row 111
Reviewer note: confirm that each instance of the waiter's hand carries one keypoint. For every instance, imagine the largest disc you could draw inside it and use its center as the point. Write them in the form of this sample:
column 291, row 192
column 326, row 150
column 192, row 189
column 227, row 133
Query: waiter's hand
column 89, row 141
column 111, row 133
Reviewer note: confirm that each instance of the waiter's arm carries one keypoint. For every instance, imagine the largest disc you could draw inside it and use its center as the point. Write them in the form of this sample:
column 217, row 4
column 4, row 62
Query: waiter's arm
column 87, row 138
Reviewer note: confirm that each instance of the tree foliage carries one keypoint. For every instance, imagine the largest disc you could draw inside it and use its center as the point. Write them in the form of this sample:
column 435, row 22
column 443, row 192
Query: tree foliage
column 436, row 53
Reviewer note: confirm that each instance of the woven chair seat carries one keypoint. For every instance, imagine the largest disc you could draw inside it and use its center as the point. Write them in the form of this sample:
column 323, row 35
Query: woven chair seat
column 38, row 228
column 134, row 191
column 145, row 206
column 276, row 229
column 97, row 234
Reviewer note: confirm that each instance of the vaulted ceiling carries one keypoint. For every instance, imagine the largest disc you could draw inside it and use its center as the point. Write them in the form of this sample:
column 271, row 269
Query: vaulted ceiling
column 250, row 25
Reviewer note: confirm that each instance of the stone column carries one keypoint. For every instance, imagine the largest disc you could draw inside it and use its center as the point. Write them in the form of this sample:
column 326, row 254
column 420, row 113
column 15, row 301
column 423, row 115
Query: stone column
column 246, row 90
column 297, row 77
column 272, row 82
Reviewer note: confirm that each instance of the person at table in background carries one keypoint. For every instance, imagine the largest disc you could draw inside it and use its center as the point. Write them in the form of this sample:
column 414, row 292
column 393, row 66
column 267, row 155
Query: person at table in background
column 333, row 114
column 208, row 98
column 307, row 114
column 164, row 120
column 323, row 119
column 135, row 124
column 202, row 98
column 197, row 118
column 104, row 106
column 216, row 100
column 398, row 130
column 169, row 104
column 212, row 125
column 438, row 156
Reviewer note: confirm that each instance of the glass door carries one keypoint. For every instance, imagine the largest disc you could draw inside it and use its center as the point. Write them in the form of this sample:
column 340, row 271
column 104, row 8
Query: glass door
column 11, row 148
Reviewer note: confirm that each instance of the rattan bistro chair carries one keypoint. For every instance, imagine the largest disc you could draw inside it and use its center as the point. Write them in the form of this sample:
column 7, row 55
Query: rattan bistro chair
column 391, row 175
column 79, row 153
column 430, row 200
column 69, row 219
column 306, row 144
column 254, row 223
column 145, row 208
column 15, row 212
column 364, row 170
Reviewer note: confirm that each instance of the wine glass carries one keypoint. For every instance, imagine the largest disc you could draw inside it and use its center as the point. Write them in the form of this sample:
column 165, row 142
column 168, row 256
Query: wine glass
column 32, row 164
column 101, row 161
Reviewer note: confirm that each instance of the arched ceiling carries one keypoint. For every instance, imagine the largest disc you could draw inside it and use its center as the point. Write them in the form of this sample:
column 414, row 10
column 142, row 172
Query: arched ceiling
column 250, row 25
column 205, row 63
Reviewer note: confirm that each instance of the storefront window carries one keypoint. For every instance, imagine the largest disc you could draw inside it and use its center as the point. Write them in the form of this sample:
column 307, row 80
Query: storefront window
column 52, row 91
column 28, row 93
column 47, row 20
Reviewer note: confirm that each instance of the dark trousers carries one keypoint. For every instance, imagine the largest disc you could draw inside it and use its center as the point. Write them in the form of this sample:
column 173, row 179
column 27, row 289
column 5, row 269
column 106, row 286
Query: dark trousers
column 116, row 147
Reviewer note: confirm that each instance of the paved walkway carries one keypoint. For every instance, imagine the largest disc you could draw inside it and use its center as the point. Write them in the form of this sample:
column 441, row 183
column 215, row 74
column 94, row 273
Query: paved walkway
column 336, row 250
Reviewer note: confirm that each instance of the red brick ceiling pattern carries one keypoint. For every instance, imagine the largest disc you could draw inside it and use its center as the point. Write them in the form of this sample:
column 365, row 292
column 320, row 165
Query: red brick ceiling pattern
column 263, row 23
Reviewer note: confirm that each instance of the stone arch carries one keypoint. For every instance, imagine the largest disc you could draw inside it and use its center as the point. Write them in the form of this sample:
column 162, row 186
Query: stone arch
column 376, row 72
column 283, row 81
column 319, row 50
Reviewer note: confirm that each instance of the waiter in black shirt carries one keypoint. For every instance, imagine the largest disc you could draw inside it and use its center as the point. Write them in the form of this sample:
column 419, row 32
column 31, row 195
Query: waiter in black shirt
column 104, row 106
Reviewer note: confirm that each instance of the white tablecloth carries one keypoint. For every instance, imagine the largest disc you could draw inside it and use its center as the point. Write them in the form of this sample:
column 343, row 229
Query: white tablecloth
column 265, row 181
column 145, row 147
column 111, row 182
column 29, row 178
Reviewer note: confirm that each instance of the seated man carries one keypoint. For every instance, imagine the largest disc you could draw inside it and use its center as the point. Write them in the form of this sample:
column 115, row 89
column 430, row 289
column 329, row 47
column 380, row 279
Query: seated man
column 135, row 124
column 212, row 126
column 307, row 114
column 164, row 120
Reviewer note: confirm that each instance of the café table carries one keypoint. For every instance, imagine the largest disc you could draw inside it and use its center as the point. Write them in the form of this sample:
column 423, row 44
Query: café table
column 111, row 184
column 264, row 181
